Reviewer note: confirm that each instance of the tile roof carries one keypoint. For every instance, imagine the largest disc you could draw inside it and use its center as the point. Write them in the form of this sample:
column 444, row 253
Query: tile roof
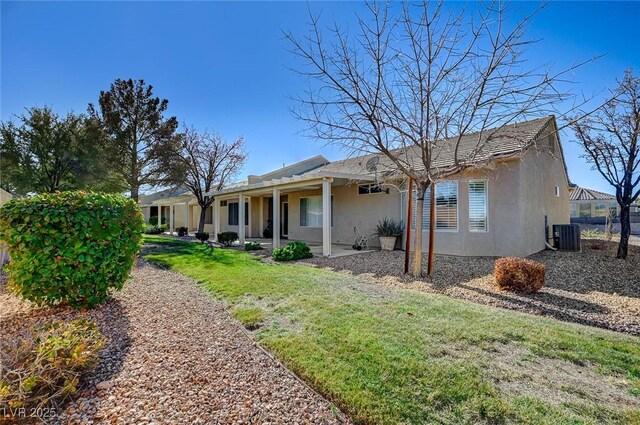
column 476, row 147
column 584, row 194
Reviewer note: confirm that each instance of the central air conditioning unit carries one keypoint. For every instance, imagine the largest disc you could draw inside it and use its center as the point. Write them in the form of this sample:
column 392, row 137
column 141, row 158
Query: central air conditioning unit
column 566, row 237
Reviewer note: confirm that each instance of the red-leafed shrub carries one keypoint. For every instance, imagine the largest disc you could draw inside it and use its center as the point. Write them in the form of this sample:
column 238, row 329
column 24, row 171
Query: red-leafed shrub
column 519, row 274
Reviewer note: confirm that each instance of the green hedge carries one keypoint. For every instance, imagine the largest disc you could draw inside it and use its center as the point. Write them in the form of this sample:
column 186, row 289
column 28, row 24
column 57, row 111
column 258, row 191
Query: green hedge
column 71, row 247
column 293, row 251
column 227, row 238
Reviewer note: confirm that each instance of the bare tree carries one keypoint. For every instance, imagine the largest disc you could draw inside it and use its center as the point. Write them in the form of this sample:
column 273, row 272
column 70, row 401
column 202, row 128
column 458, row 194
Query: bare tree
column 610, row 138
column 202, row 162
column 412, row 75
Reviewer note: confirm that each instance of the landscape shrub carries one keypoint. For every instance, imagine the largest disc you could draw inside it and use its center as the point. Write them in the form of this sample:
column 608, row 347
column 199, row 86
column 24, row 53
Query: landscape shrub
column 252, row 246
column 293, row 251
column 45, row 367
column 202, row 236
column 71, row 247
column 154, row 220
column 182, row 231
column 519, row 274
column 389, row 228
column 227, row 238
column 591, row 234
column 152, row 229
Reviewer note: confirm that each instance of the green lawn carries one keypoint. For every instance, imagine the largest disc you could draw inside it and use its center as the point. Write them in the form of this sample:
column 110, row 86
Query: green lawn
column 399, row 356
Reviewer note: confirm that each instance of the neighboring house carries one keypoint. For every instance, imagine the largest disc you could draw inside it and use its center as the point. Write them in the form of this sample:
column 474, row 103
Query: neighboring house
column 177, row 207
column 589, row 203
column 502, row 205
column 4, row 198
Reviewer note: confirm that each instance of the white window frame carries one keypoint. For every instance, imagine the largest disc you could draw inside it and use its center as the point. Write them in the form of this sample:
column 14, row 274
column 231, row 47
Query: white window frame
column 557, row 191
column 486, row 204
column 300, row 212
column 457, row 229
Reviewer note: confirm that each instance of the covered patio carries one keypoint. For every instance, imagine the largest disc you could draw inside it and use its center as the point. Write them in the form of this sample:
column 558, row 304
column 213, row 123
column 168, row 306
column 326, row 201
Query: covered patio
column 267, row 204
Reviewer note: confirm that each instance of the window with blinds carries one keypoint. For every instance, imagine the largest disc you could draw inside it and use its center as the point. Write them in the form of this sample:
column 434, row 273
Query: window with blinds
column 311, row 211
column 447, row 206
column 478, row 209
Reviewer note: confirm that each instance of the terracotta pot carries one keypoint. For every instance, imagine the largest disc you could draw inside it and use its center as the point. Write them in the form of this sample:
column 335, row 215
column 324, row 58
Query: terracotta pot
column 387, row 243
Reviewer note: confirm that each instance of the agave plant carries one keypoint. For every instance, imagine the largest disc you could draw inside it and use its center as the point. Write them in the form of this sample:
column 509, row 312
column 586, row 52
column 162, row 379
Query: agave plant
column 389, row 228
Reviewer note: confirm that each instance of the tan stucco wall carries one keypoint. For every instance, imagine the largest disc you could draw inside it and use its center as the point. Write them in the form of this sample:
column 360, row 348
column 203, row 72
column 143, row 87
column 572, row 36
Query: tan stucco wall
column 541, row 172
column 5, row 197
column 520, row 193
column 224, row 218
column 503, row 235
column 349, row 210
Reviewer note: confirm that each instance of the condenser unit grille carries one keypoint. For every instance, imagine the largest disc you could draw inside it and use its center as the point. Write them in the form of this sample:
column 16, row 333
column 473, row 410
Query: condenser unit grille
column 566, row 237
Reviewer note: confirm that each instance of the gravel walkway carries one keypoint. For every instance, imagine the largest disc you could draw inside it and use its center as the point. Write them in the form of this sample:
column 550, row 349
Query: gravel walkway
column 590, row 287
column 176, row 357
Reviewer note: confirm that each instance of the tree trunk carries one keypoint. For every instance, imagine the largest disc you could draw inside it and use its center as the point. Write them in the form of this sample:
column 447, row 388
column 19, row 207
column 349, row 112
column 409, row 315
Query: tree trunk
column 134, row 193
column 203, row 213
column 625, row 231
column 432, row 229
column 417, row 240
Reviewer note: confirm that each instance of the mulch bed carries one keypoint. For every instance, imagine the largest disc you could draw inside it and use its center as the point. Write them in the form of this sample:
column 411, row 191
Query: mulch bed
column 591, row 287
column 174, row 356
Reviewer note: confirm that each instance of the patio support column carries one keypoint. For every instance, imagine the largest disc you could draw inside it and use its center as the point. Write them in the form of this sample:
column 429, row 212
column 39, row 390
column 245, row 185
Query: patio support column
column 261, row 218
column 275, row 226
column 216, row 218
column 326, row 217
column 171, row 219
column 186, row 215
column 241, row 213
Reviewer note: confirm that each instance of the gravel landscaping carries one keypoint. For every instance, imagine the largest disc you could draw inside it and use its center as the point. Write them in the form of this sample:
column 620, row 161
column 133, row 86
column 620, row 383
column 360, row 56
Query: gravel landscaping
column 590, row 287
column 175, row 356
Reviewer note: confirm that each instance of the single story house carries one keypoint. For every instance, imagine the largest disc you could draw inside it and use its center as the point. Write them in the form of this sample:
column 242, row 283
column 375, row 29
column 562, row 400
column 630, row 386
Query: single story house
column 503, row 204
column 589, row 203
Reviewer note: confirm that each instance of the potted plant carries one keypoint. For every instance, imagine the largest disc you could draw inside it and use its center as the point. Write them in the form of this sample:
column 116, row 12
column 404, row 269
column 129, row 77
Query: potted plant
column 388, row 231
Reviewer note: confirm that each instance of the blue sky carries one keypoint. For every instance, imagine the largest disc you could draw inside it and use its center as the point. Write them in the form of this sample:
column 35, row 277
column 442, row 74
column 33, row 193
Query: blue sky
column 224, row 66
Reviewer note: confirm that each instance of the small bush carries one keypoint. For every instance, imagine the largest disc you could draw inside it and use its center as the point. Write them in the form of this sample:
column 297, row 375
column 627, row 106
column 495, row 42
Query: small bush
column 164, row 227
column 45, row 367
column 591, row 234
column 252, row 246
column 250, row 317
column 227, row 238
column 72, row 247
column 293, row 251
column 154, row 220
column 152, row 229
column 182, row 231
column 519, row 274
column 202, row 236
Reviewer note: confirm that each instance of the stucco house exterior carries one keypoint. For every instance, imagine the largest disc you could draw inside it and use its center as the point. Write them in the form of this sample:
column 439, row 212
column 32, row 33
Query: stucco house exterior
column 502, row 205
